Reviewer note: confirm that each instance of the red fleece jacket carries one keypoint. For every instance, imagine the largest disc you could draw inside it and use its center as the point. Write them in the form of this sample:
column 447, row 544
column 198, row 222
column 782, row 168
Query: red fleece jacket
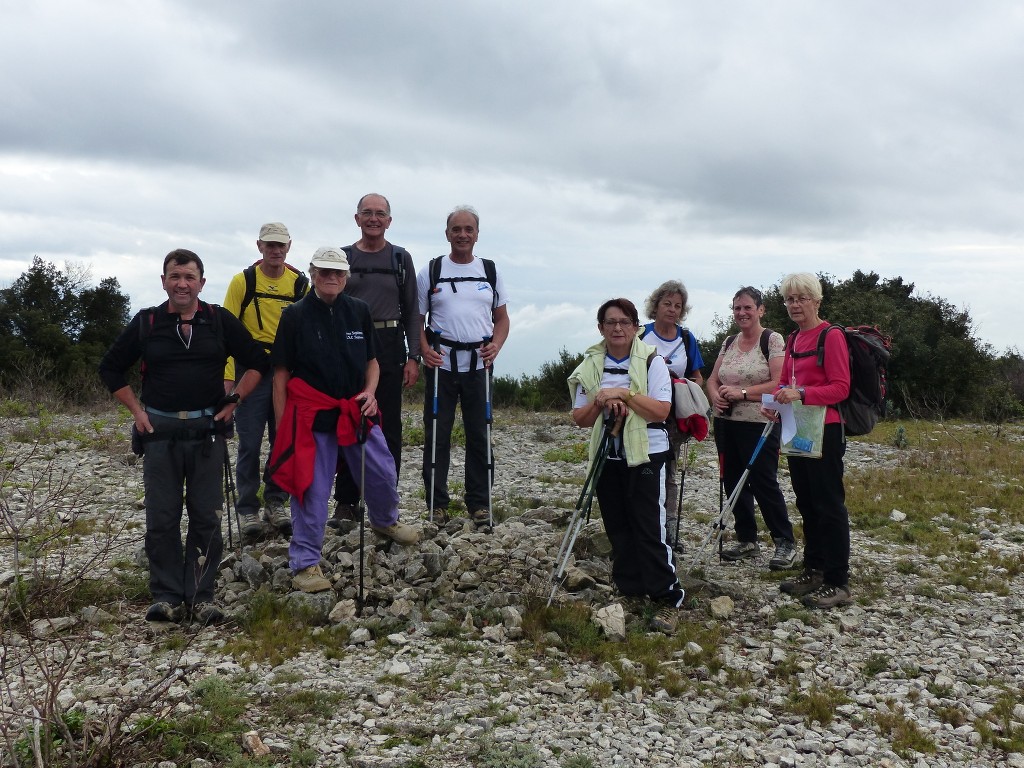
column 291, row 462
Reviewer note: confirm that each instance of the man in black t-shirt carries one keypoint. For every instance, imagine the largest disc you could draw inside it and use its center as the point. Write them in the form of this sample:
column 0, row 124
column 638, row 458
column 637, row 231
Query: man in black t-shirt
column 182, row 416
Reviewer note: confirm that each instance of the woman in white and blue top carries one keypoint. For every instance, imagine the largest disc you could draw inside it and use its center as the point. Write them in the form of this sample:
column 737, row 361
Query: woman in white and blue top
column 623, row 379
column 667, row 309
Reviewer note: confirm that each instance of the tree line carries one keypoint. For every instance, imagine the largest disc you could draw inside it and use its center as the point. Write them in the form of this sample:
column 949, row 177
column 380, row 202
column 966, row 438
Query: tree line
column 939, row 368
column 55, row 327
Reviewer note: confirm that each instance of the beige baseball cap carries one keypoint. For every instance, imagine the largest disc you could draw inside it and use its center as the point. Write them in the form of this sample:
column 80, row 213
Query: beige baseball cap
column 275, row 232
column 329, row 258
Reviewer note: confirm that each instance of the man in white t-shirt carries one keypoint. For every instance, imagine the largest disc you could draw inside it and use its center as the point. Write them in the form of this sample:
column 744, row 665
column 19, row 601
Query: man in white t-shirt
column 464, row 323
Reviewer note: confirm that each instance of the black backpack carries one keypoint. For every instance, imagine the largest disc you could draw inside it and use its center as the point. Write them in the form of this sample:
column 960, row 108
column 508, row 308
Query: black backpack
column 869, row 351
column 397, row 269
column 490, row 272
column 301, row 286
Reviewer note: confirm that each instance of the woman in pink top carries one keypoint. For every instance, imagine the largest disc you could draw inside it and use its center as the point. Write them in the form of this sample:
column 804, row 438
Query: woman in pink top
column 818, row 483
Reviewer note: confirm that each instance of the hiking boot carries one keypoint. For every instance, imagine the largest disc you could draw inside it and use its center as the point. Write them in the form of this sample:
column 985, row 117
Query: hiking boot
column 741, row 550
column 249, row 523
column 666, row 619
column 481, row 517
column 804, row 584
column 342, row 512
column 205, row 614
column 311, row 580
column 828, row 596
column 440, row 515
column 784, row 557
column 634, row 604
column 165, row 612
column 400, row 532
column 279, row 516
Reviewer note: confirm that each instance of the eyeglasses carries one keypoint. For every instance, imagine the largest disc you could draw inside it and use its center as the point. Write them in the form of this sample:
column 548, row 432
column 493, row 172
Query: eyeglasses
column 618, row 323
column 366, row 213
column 791, row 300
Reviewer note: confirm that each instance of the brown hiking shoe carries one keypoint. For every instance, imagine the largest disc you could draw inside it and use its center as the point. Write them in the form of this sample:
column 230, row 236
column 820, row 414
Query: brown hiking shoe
column 311, row 580
column 343, row 512
column 804, row 584
column 440, row 515
column 279, row 516
column 666, row 619
column 828, row 596
column 400, row 532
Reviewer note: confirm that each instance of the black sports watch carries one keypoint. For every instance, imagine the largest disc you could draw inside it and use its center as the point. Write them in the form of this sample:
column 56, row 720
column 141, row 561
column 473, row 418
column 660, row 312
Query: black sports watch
column 234, row 397
column 416, row 358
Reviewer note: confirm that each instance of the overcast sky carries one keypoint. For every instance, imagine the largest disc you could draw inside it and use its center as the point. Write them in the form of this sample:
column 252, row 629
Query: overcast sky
column 608, row 146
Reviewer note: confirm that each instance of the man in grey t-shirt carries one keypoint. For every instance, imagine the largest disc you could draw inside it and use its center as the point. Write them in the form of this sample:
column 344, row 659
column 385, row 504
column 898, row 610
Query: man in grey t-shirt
column 382, row 274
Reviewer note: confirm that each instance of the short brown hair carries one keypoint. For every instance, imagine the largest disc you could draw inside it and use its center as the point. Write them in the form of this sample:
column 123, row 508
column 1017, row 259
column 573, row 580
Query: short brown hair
column 628, row 308
column 180, row 257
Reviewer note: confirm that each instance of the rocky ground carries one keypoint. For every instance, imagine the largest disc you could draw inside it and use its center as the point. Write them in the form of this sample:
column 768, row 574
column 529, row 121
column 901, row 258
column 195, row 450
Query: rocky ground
column 440, row 668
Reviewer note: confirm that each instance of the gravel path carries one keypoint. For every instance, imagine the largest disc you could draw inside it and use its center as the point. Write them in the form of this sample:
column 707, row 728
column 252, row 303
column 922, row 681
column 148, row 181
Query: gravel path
column 916, row 664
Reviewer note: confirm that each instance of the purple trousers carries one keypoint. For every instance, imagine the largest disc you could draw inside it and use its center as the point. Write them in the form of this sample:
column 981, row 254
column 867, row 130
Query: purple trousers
column 309, row 519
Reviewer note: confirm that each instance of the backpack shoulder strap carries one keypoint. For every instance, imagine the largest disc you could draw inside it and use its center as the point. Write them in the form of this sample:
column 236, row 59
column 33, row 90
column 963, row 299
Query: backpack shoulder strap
column 491, row 272
column 148, row 317
column 397, row 254
column 212, row 311
column 434, row 274
column 647, row 328
column 728, row 342
column 821, row 341
column 249, row 273
column 301, row 282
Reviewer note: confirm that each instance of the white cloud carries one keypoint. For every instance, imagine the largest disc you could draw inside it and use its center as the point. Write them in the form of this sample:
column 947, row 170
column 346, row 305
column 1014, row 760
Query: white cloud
column 607, row 147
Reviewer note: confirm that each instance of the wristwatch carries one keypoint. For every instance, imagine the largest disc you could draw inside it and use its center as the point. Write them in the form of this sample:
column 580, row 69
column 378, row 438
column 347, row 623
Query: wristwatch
column 233, row 397
column 744, row 393
column 416, row 358
column 801, row 391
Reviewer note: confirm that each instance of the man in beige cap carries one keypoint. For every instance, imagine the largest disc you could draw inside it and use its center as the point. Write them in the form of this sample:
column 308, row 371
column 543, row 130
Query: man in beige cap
column 325, row 383
column 256, row 296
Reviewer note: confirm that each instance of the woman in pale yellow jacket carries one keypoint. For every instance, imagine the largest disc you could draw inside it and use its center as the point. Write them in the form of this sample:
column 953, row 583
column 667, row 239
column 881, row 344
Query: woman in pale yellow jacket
column 622, row 379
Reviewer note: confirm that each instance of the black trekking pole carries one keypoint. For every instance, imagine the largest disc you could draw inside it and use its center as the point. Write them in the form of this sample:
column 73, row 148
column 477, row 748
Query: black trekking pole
column 581, row 514
column 490, row 448
column 230, row 500
column 719, row 526
column 436, row 346
column 684, row 451
column 721, row 496
column 361, row 437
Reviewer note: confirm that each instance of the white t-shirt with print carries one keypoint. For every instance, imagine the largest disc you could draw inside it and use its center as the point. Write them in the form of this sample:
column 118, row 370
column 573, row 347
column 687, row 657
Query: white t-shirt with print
column 460, row 311
column 659, row 387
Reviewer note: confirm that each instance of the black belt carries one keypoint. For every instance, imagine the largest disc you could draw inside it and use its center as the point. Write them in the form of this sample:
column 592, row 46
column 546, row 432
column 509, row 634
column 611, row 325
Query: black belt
column 183, row 415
